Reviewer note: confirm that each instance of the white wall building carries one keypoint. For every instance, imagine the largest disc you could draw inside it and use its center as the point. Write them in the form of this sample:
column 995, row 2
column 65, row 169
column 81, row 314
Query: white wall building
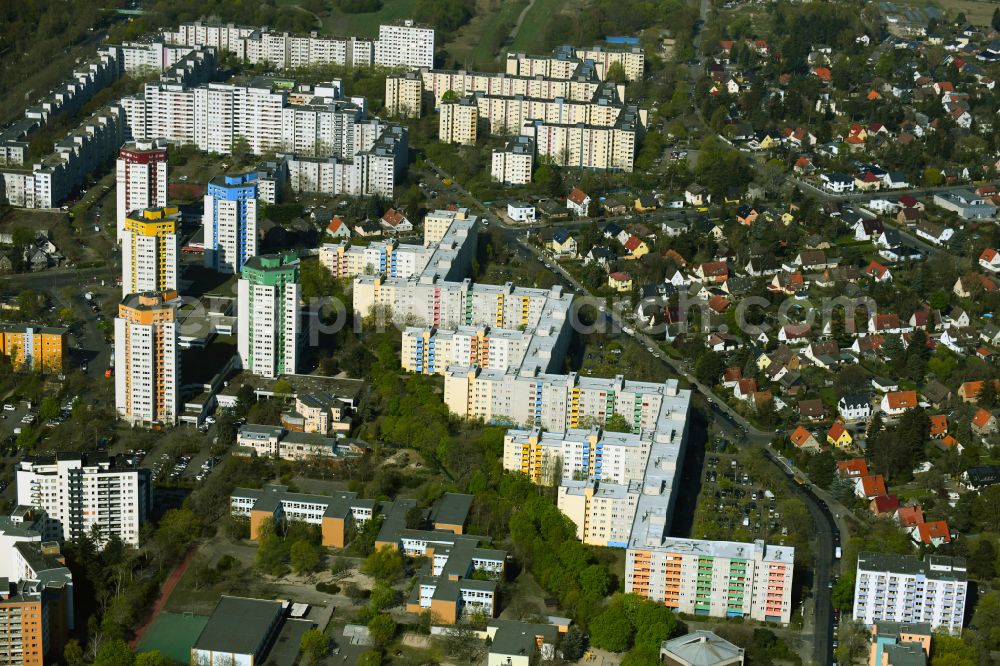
column 148, row 368
column 269, row 315
column 141, row 178
column 903, row 588
column 513, row 164
column 80, row 494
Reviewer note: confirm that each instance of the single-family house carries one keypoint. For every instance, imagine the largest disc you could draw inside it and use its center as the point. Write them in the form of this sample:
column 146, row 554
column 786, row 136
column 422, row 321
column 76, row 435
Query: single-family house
column 939, row 426
column 395, row 221
column 868, row 230
column 895, row 403
column 812, row 410
column 519, row 211
column 855, row 407
column 839, row 436
column 983, row 422
column 870, row 487
column 578, row 201
column 337, row 229
column 562, row 244
column 855, row 468
column 804, row 440
column 697, row 195
column 990, row 260
column 878, row 272
column 933, row 533
column 620, row 281
column 938, row 234
column 636, row 247
column 884, row 506
column 744, row 388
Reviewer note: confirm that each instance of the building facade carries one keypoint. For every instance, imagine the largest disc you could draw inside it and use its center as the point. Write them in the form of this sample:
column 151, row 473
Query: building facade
column 141, row 178
column 715, row 578
column 230, row 221
column 904, row 588
column 514, row 163
column 269, row 315
column 34, row 348
column 85, row 495
column 458, row 121
column 404, row 95
column 36, row 594
column 147, row 377
column 150, row 248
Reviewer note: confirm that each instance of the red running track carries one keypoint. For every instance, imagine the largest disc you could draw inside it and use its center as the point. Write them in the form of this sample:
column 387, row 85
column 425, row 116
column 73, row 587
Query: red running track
column 165, row 590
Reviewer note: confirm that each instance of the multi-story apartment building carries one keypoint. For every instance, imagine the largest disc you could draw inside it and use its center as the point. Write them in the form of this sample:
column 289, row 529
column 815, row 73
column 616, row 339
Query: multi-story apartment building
column 603, row 148
column 632, row 60
column 150, row 247
column 230, row 221
column 141, row 178
column 147, row 377
column 565, row 61
column 716, row 578
column 34, row 348
column 400, row 44
column 602, row 511
column 36, row 592
column 86, row 495
column 432, row 351
column 269, row 314
column 404, row 95
column 577, row 453
column 513, row 164
column 580, row 87
column 404, row 44
column 904, row 588
column 458, row 120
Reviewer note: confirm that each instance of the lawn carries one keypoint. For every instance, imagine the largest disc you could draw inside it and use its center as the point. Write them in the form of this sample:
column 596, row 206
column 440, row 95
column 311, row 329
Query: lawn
column 479, row 45
column 531, row 36
column 340, row 24
column 977, row 12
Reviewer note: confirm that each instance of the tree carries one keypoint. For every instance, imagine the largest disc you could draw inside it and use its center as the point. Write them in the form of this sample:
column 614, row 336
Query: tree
column 382, row 596
column 574, row 644
column 820, row 469
column 595, row 579
column 73, row 653
column 462, row 643
column 305, row 557
column 616, row 73
column 982, row 561
column 611, row 630
column 709, row 367
column 370, row 658
column 386, row 564
column 382, row 629
column 114, row 653
column 617, row 423
column 314, row 646
column 153, row 658
column 842, row 595
column 49, row 408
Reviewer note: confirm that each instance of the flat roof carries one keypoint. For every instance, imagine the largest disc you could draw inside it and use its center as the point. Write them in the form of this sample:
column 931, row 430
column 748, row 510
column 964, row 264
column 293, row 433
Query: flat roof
column 239, row 625
column 937, row 567
column 452, row 509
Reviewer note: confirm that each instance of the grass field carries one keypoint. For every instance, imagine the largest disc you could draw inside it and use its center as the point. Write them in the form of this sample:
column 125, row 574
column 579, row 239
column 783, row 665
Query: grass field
column 173, row 634
column 479, row 45
column 977, row 12
column 365, row 25
column 530, row 36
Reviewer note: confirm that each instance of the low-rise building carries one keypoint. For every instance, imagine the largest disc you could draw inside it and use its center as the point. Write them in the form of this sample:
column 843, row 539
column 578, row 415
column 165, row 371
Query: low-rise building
column 277, row 442
column 899, row 644
column 240, row 631
column 520, row 643
column 700, row 648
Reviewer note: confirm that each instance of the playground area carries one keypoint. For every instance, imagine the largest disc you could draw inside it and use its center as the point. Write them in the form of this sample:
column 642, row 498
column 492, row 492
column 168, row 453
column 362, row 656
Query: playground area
column 173, row 634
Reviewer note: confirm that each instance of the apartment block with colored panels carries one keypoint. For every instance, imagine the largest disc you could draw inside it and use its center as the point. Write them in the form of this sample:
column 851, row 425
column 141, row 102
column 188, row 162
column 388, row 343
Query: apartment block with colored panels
column 602, row 512
column 715, row 578
column 150, row 248
column 230, row 221
column 36, row 594
column 432, row 351
column 274, row 504
column 269, row 326
column 904, row 588
column 594, row 453
column 147, row 381
column 34, row 348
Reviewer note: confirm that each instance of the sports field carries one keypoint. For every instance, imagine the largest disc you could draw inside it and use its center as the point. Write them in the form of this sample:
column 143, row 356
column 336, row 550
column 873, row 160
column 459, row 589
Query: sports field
column 173, row 634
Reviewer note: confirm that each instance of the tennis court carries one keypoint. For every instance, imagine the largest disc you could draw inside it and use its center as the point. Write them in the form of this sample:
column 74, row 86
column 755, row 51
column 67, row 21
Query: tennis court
column 173, row 634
